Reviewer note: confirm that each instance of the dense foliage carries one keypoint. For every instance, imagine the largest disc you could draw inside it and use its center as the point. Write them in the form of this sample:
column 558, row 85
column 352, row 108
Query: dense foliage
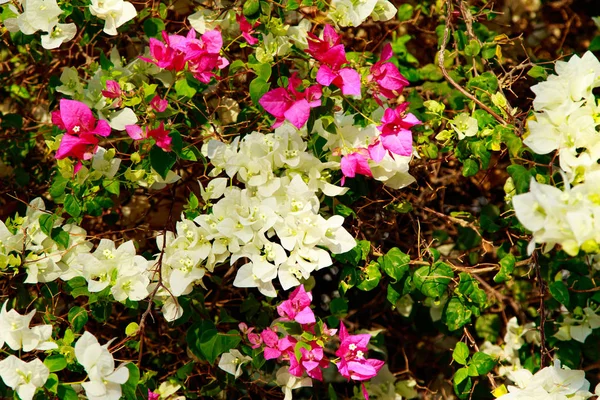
column 277, row 199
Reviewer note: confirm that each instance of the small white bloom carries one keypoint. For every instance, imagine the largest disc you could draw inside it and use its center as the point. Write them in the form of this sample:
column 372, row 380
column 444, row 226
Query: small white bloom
column 464, row 125
column 23, row 377
column 114, row 12
column 232, row 362
column 60, row 33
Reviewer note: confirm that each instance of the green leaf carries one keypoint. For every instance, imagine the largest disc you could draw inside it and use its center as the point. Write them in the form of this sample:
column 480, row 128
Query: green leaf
column 213, row 343
column 51, row 383
column 469, row 288
column 507, row 266
column 77, row 317
column 338, row 306
column 482, row 362
column 183, row 89
column 521, row 177
column 162, row 161
column 395, row 263
column 251, row 7
column 66, row 392
column 263, row 71
column 258, row 87
column 129, row 387
column 456, row 314
column 61, row 237
column 433, row 280
column 405, row 12
column 560, row 292
column 55, row 362
column 344, row 211
column 11, row 121
column 58, row 186
column 72, row 206
column 112, row 186
column 153, row 27
column 47, row 223
column 488, row 327
column 470, row 167
column 473, row 48
column 105, row 62
column 461, row 353
column 539, row 72
column 462, row 383
column 370, row 276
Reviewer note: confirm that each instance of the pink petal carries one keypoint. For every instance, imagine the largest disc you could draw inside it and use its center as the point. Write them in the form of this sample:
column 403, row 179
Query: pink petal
column 377, row 151
column 213, row 41
column 270, row 353
column 351, row 79
column 134, row 132
column 305, row 316
column 75, row 113
column 298, row 113
column 276, row 102
column 325, row 75
column 400, row 143
column 102, row 129
column 386, row 53
column 159, row 104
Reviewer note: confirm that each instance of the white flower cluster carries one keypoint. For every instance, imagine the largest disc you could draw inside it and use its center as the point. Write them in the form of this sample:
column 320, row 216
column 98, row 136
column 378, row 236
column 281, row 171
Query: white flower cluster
column 16, row 333
column 569, row 217
column 566, row 116
column 355, row 12
column 566, row 121
column 514, row 339
column 548, row 383
column 273, row 222
column 45, row 260
column 578, row 325
column 43, row 15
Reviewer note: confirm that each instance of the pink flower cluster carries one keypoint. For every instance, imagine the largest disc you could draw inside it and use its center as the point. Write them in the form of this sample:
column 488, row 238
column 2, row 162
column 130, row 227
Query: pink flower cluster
column 305, row 353
column 202, row 56
column 395, row 139
column 81, row 139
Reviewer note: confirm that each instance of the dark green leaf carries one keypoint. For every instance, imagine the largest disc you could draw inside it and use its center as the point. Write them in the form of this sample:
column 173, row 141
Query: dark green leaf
column 395, row 263
column 433, row 280
column 47, row 223
column 470, row 167
column 162, row 161
column 521, row 177
column 507, row 266
column 72, row 206
column 77, row 317
column 456, row 314
column 560, row 292
column 482, row 362
column 369, row 277
column 258, row 87
column 153, row 27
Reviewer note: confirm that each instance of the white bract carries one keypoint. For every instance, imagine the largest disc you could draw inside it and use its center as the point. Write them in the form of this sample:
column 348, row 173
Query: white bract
column 16, row 333
column 289, row 382
column 114, row 12
column 23, row 377
column 104, row 380
column 548, row 383
column 232, row 361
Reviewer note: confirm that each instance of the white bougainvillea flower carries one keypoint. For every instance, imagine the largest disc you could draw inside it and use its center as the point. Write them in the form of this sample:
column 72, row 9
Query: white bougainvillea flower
column 232, row 362
column 37, row 15
column 60, row 33
column 464, row 125
column 23, row 377
column 548, row 383
column 114, row 12
column 289, row 382
column 105, row 381
column 15, row 331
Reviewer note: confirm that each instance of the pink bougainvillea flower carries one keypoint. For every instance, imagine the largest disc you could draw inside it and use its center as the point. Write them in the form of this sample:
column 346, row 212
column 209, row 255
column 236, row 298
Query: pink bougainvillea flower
column 201, row 55
column 152, row 395
column 353, row 364
column 247, row 29
column 159, row 104
column 297, row 307
column 311, row 361
column 386, row 75
column 77, row 119
column 290, row 103
column 355, row 163
column 160, row 135
column 113, row 90
column 81, row 141
column 275, row 347
column 331, row 54
column 396, row 136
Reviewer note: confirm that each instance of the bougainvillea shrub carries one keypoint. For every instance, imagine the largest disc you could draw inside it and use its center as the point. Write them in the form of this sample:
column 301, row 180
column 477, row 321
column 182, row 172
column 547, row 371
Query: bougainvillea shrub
column 299, row 199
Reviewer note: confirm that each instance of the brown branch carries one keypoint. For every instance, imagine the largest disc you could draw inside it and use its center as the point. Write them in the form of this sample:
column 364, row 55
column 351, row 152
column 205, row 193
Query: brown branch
column 452, row 81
